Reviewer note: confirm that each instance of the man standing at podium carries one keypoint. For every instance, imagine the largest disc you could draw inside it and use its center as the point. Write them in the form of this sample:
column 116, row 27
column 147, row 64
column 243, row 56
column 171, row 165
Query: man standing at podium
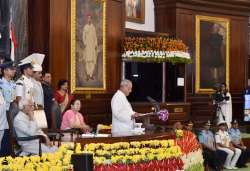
column 122, row 112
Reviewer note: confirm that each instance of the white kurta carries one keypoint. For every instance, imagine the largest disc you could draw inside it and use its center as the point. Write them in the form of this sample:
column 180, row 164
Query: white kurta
column 38, row 93
column 121, row 114
column 226, row 109
column 24, row 128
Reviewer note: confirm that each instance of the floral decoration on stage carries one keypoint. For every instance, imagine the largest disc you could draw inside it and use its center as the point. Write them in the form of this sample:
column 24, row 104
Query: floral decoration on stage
column 58, row 161
column 136, row 155
column 155, row 49
column 183, row 153
column 192, row 153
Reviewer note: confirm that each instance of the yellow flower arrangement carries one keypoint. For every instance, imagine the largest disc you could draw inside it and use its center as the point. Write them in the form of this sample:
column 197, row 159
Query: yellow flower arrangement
column 133, row 152
column 58, row 161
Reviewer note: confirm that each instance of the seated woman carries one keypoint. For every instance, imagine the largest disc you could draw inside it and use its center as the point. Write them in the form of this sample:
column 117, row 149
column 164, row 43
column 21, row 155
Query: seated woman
column 61, row 95
column 73, row 119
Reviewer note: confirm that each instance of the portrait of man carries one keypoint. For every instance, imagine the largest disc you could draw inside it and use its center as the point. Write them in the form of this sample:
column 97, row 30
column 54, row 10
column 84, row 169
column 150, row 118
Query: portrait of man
column 88, row 45
column 212, row 56
column 135, row 10
column 90, row 51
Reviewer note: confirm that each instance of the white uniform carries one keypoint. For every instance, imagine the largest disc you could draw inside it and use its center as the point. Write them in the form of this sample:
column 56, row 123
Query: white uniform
column 222, row 137
column 38, row 92
column 24, row 88
column 24, row 127
column 121, row 114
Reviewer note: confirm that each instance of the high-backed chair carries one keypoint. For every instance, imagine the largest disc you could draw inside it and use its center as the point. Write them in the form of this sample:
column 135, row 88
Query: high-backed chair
column 56, row 119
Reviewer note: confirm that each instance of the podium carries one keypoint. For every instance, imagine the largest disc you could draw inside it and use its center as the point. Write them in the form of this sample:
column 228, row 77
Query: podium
column 145, row 117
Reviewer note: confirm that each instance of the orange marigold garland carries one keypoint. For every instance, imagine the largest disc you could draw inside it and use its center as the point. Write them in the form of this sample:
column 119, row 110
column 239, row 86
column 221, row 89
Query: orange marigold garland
column 155, row 49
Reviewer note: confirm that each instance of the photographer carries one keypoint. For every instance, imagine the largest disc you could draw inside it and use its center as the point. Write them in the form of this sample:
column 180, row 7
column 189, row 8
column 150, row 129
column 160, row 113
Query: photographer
column 223, row 102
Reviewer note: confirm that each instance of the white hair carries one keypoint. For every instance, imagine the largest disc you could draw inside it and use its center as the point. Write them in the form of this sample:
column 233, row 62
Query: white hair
column 125, row 82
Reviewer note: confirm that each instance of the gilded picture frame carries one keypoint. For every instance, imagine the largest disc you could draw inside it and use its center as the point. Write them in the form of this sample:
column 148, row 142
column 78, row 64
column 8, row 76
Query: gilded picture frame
column 135, row 11
column 212, row 53
column 88, row 47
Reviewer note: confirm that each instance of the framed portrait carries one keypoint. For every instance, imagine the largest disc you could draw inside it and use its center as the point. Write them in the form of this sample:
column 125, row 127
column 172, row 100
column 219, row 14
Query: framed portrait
column 135, row 11
column 212, row 53
column 88, row 46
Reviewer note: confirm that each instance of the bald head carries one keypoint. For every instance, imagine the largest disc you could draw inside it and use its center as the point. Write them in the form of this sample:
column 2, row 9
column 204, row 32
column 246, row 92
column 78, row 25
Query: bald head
column 126, row 86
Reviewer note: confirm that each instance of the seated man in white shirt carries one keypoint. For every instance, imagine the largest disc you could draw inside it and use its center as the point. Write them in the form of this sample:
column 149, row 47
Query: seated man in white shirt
column 25, row 126
column 223, row 143
column 122, row 112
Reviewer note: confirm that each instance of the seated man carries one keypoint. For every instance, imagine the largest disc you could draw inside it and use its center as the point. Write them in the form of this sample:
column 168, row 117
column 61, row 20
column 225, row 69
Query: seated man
column 223, row 142
column 213, row 157
column 235, row 136
column 25, row 126
column 188, row 125
column 177, row 126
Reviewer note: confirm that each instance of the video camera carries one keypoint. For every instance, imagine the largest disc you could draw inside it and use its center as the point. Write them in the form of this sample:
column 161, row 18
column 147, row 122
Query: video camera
column 218, row 97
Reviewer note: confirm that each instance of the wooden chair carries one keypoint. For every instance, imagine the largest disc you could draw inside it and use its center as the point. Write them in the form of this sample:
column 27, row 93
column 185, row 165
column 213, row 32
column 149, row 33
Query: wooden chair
column 56, row 119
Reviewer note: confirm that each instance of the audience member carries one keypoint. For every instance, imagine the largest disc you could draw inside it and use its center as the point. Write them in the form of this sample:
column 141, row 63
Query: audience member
column 177, row 126
column 236, row 140
column 25, row 126
column 36, row 79
column 24, row 85
column 7, row 88
column 48, row 96
column 223, row 143
column 215, row 158
column 62, row 96
column 188, row 125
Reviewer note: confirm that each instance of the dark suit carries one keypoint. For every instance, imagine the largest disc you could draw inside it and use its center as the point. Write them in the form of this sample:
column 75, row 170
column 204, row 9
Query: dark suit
column 48, row 101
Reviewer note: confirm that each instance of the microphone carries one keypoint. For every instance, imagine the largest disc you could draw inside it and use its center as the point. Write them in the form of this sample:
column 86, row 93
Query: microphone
column 154, row 103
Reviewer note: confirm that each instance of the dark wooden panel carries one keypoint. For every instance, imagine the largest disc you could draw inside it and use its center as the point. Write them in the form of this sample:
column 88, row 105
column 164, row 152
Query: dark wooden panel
column 115, row 33
column 38, row 19
column 238, row 55
column 59, row 43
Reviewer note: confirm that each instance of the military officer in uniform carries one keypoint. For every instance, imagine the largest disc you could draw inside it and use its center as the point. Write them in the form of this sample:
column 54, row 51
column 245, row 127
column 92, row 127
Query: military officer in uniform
column 213, row 157
column 235, row 136
column 24, row 85
column 7, row 87
column 223, row 142
column 37, row 60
